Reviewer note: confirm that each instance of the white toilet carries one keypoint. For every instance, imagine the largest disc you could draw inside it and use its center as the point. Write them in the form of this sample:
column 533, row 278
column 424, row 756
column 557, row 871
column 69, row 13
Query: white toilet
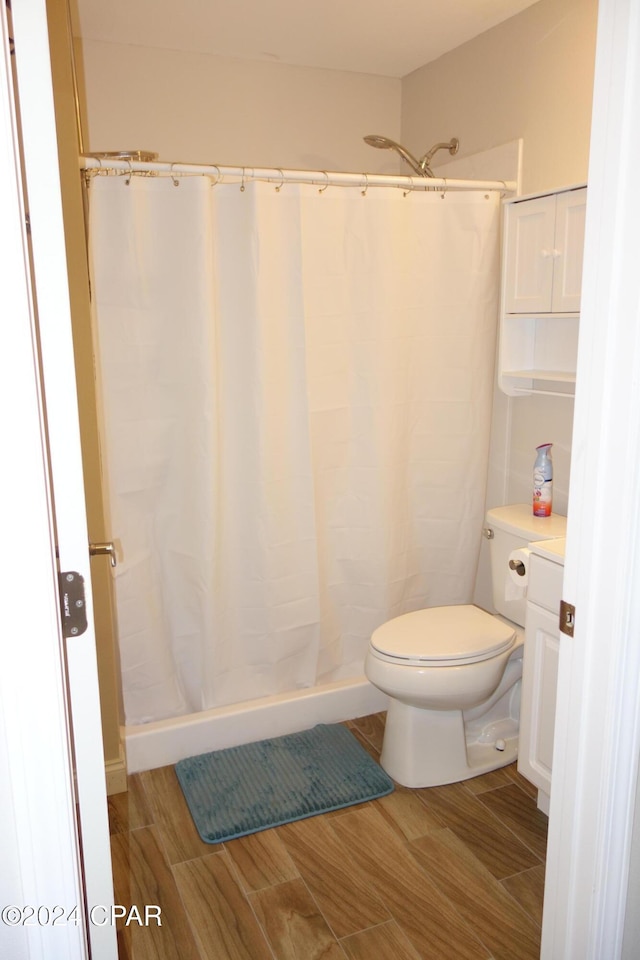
column 453, row 673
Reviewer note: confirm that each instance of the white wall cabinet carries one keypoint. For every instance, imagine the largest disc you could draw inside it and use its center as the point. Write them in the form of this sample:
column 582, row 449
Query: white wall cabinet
column 543, row 243
column 540, row 675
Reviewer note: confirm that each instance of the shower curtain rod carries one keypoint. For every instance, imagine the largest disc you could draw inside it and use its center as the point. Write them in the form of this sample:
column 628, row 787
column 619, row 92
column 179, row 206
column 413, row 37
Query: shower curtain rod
column 93, row 165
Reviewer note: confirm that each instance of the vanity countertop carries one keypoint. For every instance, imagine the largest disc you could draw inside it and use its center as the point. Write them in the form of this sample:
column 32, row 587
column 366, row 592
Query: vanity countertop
column 550, row 549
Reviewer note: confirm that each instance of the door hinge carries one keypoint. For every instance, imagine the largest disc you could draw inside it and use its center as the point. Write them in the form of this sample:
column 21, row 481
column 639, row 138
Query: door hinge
column 567, row 617
column 73, row 605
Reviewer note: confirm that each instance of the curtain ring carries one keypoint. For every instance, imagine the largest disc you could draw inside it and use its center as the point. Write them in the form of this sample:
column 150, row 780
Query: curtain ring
column 175, row 180
column 366, row 185
column 130, row 174
column 322, row 189
column 218, row 175
column 405, row 193
column 280, row 185
column 242, row 184
column 444, row 190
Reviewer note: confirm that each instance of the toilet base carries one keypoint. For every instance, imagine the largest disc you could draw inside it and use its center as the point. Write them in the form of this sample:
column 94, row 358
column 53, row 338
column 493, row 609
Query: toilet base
column 428, row 748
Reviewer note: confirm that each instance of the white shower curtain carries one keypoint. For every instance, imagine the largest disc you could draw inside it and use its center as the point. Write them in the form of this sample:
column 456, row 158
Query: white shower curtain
column 296, row 389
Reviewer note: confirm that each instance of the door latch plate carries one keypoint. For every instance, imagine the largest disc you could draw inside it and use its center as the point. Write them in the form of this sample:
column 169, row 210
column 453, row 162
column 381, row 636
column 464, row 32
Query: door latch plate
column 567, row 617
column 73, row 607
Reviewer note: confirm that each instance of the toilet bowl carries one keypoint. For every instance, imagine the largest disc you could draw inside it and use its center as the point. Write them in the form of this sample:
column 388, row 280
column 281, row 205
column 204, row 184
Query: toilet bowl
column 453, row 673
column 436, row 664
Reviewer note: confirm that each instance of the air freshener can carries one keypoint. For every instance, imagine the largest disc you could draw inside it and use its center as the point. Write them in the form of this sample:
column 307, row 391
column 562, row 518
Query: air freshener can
column 543, row 481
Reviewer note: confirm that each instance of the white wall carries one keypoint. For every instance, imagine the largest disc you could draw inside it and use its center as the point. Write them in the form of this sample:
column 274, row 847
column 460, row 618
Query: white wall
column 207, row 109
column 535, row 421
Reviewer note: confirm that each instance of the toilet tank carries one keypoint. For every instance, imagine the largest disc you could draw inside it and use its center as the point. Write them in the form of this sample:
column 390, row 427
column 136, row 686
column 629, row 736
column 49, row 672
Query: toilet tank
column 512, row 528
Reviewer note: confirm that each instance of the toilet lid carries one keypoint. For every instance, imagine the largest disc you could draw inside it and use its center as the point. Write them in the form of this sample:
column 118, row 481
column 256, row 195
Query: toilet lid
column 454, row 635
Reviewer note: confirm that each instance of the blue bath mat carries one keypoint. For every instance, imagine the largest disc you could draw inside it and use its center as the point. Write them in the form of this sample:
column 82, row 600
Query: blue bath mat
column 241, row 790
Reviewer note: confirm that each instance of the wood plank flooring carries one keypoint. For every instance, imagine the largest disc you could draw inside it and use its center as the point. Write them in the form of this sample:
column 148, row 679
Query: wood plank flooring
column 443, row 873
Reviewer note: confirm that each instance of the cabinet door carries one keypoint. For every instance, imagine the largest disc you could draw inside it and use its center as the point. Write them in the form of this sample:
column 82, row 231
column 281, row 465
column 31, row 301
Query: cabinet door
column 538, row 709
column 530, row 233
column 568, row 248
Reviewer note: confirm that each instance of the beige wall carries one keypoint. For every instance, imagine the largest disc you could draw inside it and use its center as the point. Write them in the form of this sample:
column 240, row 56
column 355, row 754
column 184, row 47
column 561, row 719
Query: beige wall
column 207, row 109
column 529, row 77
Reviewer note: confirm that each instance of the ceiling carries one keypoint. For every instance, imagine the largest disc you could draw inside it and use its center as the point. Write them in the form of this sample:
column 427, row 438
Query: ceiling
column 390, row 38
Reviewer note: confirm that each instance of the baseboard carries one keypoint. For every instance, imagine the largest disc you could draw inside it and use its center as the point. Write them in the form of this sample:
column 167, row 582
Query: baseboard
column 116, row 775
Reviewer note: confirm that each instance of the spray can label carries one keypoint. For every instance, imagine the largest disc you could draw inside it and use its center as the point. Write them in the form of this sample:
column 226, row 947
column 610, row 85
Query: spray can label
column 542, row 495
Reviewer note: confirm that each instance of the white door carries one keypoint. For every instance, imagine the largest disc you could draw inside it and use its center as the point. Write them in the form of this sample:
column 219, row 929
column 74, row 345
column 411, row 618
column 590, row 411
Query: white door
column 529, row 235
column 539, row 684
column 47, row 299
column 597, row 732
column 571, row 208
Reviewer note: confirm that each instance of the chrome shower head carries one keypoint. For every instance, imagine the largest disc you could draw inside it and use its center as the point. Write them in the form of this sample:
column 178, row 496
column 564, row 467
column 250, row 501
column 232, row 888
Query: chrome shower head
column 384, row 143
column 421, row 167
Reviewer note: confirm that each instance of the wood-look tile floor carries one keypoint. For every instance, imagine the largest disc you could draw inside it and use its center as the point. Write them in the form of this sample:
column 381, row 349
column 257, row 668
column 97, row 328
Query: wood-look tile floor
column 441, row 873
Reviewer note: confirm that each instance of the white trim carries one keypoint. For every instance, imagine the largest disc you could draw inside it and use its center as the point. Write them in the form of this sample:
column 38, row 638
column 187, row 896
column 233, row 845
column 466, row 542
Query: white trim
column 50, row 278
column 38, row 830
column 115, row 774
column 598, row 720
column 546, row 193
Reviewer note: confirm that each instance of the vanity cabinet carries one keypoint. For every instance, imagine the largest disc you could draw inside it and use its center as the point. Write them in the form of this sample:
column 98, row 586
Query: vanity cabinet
column 540, row 674
column 543, row 241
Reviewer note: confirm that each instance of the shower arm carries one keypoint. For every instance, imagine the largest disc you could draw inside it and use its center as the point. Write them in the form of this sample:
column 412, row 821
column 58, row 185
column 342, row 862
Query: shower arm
column 452, row 146
column 416, row 165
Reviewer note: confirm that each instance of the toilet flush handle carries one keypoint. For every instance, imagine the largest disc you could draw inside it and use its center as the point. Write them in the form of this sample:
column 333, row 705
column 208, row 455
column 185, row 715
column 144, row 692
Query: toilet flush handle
column 488, row 533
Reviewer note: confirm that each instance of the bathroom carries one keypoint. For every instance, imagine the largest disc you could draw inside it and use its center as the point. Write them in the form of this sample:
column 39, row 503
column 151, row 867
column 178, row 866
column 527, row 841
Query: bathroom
column 257, row 129
column 554, row 130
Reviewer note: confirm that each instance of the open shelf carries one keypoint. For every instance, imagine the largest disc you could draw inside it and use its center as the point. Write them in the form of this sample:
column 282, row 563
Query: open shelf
column 559, row 376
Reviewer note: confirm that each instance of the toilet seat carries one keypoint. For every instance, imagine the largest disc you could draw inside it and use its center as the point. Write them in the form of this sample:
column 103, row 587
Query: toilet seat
column 442, row 637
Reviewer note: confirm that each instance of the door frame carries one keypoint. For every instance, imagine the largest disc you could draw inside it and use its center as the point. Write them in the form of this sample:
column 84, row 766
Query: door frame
column 53, row 740
column 598, row 721
column 38, row 826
